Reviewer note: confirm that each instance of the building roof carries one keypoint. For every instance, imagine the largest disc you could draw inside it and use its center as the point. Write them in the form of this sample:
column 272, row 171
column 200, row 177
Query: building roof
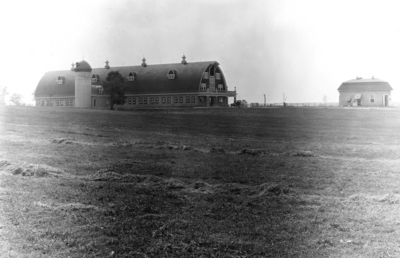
column 151, row 79
column 360, row 85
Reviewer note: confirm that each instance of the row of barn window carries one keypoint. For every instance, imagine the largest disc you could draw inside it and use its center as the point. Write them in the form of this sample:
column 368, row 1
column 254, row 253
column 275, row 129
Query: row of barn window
column 58, row 103
column 203, row 86
column 172, row 74
column 165, row 100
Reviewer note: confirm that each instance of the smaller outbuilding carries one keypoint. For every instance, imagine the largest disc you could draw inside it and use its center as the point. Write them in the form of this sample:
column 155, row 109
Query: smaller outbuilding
column 365, row 92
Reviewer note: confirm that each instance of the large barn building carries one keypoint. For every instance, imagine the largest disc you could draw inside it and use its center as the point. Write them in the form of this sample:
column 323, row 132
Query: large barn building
column 364, row 92
column 197, row 84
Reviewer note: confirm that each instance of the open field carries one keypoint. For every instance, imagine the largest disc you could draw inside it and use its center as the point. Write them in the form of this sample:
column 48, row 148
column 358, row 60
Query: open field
column 274, row 182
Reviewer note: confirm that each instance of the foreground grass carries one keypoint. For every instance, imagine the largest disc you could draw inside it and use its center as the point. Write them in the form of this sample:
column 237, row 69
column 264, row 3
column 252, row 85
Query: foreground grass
column 199, row 183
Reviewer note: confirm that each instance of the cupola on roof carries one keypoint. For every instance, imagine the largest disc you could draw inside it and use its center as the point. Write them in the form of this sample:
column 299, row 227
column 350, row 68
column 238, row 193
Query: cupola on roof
column 144, row 62
column 183, row 59
column 83, row 66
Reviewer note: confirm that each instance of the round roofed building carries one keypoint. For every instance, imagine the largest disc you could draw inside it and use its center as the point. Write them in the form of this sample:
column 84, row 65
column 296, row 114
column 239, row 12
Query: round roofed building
column 184, row 84
column 365, row 92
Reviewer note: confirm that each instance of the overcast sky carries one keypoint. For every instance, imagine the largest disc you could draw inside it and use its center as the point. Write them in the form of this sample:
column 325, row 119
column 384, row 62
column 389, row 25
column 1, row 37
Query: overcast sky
column 305, row 49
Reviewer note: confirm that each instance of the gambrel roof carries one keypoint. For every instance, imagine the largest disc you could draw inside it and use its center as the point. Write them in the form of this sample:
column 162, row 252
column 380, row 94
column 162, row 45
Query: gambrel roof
column 359, row 85
column 151, row 79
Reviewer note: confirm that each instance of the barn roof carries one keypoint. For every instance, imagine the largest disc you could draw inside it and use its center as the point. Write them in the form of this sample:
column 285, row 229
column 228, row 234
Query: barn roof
column 360, row 85
column 151, row 79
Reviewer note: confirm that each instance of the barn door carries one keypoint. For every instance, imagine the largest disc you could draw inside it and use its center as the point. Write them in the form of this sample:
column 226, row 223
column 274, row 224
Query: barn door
column 385, row 100
column 212, row 82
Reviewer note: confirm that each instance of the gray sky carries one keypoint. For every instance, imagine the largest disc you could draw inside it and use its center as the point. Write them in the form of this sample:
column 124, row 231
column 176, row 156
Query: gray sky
column 303, row 48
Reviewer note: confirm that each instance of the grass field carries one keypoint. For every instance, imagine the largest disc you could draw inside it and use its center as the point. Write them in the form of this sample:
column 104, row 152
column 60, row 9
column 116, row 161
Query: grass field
column 274, row 182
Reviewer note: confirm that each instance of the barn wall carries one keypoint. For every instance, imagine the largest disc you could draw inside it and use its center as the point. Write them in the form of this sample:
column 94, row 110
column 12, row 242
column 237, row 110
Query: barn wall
column 365, row 99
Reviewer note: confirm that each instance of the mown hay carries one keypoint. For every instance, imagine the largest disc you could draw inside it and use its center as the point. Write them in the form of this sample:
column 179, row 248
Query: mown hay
column 174, row 184
column 64, row 140
column 254, row 152
column 112, row 175
column 270, row 189
column 217, row 150
column 26, row 169
column 300, row 153
column 201, row 187
column 386, row 198
column 77, row 207
column 69, row 206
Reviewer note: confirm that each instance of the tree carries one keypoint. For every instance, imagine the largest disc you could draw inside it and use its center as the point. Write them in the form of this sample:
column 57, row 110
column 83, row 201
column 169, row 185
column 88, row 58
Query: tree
column 284, row 97
column 114, row 87
column 243, row 103
column 325, row 99
column 3, row 94
column 16, row 99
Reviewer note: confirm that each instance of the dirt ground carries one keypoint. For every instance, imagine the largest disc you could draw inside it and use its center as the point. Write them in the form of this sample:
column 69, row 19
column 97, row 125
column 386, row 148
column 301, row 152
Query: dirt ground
column 267, row 182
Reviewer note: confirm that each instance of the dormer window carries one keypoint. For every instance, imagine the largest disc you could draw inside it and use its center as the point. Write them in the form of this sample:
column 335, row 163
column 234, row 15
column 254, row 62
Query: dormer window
column 131, row 76
column 172, row 74
column 205, row 75
column 95, row 78
column 60, row 80
column 218, row 76
column 220, row 87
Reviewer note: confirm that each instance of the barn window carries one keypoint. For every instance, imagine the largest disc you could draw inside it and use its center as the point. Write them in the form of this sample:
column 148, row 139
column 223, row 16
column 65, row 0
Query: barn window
column 164, row 100
column 58, row 103
column 172, row 74
column 205, row 75
column 60, row 80
column 95, row 78
column 157, row 100
column 218, row 76
column 145, row 101
column 169, row 100
column 220, row 87
column 372, row 99
column 129, row 101
column 203, row 86
column 133, row 101
column 176, row 99
column 193, row 99
column 187, row 99
column 140, row 101
column 152, row 100
column 131, row 76
column 180, row 99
